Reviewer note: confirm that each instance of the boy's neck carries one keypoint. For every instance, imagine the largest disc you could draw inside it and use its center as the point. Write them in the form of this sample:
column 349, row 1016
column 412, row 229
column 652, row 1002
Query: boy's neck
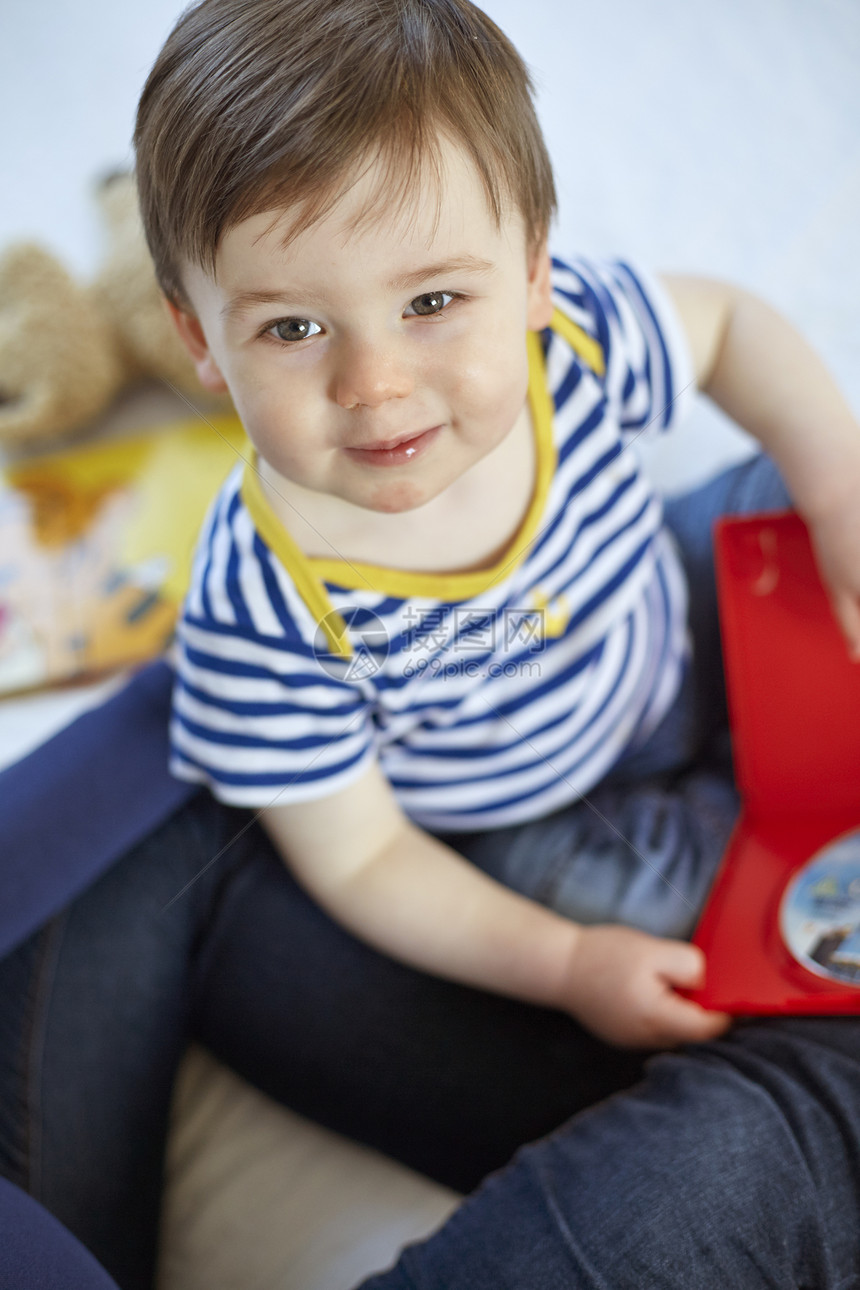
column 466, row 527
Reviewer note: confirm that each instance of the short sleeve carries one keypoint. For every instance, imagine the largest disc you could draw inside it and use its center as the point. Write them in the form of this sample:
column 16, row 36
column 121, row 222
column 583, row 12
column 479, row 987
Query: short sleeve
column 649, row 377
column 260, row 722
column 256, row 714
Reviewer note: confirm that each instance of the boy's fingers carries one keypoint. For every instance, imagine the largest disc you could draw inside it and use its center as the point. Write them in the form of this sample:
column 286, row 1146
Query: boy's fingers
column 709, row 1025
column 691, row 1023
column 684, row 965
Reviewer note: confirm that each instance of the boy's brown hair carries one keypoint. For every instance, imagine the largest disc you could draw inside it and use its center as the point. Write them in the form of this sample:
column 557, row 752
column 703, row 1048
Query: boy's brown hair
column 256, row 105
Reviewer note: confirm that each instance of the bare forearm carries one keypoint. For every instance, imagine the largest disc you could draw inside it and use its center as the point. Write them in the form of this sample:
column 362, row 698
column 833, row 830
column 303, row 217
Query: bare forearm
column 769, row 380
column 423, row 904
column 420, row 902
column 404, row 892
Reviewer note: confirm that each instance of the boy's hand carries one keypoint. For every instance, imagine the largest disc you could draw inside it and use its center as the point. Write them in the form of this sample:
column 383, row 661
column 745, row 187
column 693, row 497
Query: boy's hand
column 620, row 985
column 836, row 540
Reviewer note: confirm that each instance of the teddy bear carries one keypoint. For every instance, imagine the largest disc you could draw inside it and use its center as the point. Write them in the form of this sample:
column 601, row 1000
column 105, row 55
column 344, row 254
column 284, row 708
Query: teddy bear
column 67, row 348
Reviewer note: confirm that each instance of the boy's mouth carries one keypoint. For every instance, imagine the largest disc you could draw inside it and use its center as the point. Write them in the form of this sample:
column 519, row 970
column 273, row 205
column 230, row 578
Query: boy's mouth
column 393, row 452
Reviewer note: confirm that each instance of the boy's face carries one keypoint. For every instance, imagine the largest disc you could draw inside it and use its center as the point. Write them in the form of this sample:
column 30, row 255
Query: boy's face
column 402, row 325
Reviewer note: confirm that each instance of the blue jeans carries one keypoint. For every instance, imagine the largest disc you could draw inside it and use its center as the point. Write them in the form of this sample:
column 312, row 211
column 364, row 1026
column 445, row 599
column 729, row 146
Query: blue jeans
column 98, row 1006
column 730, row 1164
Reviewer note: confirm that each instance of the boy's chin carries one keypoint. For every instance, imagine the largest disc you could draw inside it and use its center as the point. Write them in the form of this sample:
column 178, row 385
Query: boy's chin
column 395, row 496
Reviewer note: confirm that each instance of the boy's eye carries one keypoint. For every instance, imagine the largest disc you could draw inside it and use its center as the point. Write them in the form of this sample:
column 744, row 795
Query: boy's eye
column 294, row 329
column 432, row 302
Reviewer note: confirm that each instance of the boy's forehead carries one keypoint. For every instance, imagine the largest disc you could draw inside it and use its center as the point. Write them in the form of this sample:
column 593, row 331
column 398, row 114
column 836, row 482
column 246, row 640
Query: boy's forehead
column 438, row 202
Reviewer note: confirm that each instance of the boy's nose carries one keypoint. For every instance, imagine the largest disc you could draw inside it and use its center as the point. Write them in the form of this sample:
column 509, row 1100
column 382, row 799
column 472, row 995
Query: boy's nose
column 368, row 375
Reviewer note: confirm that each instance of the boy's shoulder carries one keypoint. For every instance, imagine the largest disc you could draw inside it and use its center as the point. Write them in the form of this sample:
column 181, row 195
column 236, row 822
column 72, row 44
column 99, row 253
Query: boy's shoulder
column 628, row 313
column 601, row 291
column 596, row 292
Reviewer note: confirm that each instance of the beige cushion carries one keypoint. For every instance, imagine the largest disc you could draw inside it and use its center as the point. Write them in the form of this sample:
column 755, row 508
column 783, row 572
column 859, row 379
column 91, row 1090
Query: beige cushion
column 258, row 1198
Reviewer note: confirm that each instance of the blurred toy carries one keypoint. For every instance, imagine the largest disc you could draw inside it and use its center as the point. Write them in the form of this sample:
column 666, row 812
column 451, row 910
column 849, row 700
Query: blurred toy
column 67, row 348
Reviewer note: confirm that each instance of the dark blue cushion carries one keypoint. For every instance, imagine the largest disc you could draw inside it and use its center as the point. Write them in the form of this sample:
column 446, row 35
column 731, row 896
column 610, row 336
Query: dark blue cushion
column 80, row 801
column 37, row 1253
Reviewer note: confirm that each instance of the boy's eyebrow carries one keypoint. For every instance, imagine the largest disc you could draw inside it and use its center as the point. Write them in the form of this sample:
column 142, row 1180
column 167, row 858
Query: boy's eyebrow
column 245, row 300
column 458, row 264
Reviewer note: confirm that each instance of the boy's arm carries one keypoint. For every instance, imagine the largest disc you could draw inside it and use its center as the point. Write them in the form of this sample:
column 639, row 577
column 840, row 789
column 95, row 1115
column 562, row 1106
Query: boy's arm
column 414, row 898
column 760, row 371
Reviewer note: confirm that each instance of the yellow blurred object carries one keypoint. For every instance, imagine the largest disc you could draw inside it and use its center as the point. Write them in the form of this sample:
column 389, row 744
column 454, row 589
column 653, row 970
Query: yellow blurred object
column 96, row 546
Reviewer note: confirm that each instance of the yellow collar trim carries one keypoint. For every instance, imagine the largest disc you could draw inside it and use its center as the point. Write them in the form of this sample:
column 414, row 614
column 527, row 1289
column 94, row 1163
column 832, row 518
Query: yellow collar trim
column 310, row 573
column 579, row 341
column 291, row 556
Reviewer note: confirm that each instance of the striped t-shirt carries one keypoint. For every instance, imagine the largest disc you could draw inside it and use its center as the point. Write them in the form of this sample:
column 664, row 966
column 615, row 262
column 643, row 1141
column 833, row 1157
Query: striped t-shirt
column 488, row 697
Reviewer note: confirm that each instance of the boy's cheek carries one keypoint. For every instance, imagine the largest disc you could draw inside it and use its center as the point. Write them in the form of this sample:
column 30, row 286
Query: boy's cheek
column 277, row 436
column 493, row 369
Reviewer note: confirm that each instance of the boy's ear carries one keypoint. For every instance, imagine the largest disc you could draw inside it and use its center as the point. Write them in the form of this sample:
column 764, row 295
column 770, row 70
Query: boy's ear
column 539, row 299
column 191, row 334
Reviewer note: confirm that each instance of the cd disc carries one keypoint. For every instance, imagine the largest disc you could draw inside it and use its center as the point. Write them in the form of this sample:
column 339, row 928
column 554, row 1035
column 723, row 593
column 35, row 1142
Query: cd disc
column 820, row 913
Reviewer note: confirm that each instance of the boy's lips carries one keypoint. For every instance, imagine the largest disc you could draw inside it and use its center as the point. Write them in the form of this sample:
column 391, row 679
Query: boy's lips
column 393, row 452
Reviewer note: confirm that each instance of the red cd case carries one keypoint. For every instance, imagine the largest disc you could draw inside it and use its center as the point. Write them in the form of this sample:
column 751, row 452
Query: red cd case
column 794, row 710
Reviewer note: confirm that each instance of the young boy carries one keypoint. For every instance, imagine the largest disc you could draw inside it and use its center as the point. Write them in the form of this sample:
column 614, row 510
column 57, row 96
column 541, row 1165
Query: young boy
column 441, row 598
